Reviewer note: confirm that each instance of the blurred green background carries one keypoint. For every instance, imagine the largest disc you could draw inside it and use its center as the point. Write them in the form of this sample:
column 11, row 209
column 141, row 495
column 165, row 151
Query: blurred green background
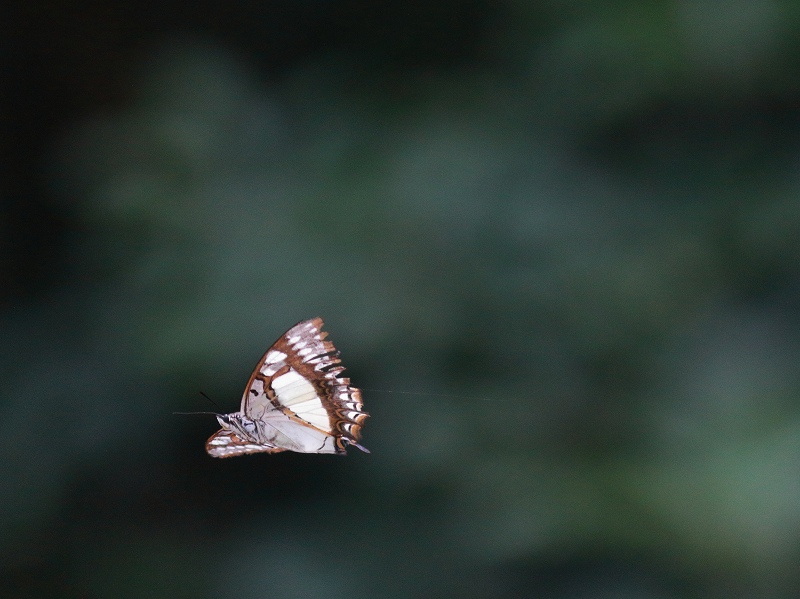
column 566, row 231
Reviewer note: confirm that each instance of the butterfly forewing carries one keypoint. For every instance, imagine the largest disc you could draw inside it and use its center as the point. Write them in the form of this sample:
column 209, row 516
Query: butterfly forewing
column 295, row 400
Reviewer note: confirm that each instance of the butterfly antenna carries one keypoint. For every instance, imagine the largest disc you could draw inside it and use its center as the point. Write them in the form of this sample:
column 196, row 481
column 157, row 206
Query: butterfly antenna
column 211, row 400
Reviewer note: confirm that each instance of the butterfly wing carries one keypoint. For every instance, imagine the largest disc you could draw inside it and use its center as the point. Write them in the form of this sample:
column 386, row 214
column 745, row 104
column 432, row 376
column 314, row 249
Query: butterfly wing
column 300, row 377
column 226, row 444
column 298, row 400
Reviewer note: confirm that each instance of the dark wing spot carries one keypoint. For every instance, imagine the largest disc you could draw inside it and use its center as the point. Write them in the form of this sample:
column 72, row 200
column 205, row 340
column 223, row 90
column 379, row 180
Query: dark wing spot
column 253, row 391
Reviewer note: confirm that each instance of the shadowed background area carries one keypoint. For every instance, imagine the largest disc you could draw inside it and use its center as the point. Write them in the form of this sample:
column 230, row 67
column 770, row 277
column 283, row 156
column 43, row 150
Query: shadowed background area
column 557, row 246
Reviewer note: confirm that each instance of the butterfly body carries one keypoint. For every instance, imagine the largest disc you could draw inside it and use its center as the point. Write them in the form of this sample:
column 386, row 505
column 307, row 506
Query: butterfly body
column 295, row 400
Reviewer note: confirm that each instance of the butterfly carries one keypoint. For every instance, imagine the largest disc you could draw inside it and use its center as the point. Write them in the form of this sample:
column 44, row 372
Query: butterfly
column 295, row 400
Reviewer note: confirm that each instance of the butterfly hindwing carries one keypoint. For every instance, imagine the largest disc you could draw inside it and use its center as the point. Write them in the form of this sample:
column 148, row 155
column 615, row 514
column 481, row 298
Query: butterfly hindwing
column 225, row 444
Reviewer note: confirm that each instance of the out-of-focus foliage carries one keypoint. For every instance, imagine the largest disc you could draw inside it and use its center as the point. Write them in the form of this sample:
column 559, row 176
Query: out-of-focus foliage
column 556, row 245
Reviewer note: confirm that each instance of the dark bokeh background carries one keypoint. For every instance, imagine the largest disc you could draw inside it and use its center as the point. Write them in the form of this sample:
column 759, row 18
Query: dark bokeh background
column 572, row 231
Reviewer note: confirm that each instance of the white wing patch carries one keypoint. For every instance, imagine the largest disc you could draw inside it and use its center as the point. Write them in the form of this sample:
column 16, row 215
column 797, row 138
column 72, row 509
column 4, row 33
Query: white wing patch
column 296, row 393
column 275, row 356
column 273, row 362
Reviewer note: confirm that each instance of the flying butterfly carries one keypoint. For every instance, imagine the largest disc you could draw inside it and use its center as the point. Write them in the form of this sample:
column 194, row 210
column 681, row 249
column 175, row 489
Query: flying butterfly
column 295, row 400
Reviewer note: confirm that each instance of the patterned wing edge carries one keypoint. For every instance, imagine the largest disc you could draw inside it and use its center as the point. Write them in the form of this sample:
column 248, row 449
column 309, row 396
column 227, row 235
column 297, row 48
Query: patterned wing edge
column 316, row 359
column 225, row 444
